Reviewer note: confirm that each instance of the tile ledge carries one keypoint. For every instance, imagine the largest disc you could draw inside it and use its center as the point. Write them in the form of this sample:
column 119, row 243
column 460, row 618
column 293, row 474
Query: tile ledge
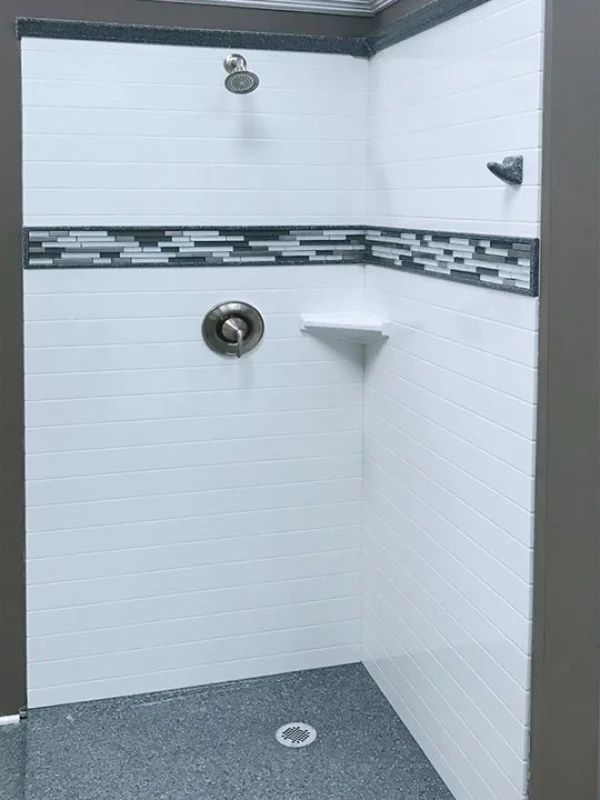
column 352, row 326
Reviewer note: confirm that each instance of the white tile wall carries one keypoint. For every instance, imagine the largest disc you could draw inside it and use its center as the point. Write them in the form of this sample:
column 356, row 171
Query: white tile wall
column 149, row 134
column 444, row 103
column 189, row 518
column 448, row 492
column 450, row 402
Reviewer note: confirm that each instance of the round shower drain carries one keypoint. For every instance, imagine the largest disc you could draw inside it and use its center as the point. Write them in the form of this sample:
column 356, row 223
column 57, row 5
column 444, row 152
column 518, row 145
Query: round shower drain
column 296, row 734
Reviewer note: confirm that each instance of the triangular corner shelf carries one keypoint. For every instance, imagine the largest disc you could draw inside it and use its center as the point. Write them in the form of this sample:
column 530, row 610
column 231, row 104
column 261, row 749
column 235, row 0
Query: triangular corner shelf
column 351, row 326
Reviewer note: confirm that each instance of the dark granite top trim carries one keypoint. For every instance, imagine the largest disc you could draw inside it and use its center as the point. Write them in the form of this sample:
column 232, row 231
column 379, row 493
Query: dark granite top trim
column 409, row 24
column 189, row 37
column 417, row 21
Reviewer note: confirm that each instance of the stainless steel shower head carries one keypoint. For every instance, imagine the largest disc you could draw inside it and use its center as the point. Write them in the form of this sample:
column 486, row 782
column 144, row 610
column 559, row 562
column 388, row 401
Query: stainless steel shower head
column 239, row 80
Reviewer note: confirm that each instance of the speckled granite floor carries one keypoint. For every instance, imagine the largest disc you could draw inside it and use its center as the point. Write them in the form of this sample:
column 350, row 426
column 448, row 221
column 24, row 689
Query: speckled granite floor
column 217, row 743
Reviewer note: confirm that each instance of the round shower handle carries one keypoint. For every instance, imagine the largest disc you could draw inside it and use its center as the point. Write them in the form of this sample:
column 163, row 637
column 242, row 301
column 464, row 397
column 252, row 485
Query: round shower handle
column 233, row 328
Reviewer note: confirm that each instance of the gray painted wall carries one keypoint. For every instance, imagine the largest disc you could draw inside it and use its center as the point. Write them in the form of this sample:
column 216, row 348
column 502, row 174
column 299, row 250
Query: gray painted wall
column 564, row 739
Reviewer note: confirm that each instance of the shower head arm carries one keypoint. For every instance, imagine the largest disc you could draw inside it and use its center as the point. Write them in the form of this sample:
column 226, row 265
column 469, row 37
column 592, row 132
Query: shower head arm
column 235, row 63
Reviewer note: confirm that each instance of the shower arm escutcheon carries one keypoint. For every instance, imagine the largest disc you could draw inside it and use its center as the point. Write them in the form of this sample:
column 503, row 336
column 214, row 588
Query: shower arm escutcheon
column 233, row 328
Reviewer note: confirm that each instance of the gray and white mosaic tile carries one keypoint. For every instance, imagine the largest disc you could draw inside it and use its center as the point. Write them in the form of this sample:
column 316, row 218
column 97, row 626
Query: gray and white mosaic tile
column 499, row 262
column 194, row 247
column 506, row 263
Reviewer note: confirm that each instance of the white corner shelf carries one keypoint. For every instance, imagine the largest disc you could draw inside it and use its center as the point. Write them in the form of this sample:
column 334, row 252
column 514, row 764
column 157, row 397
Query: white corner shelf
column 351, row 326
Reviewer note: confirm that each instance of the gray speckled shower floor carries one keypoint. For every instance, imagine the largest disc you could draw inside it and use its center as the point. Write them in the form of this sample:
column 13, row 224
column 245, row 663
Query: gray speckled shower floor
column 217, row 743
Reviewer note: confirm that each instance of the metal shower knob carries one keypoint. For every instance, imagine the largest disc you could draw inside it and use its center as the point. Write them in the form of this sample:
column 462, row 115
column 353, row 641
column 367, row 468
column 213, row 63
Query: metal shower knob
column 233, row 328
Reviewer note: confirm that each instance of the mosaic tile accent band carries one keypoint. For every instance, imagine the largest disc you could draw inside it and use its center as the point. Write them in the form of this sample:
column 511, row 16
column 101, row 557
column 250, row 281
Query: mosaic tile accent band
column 505, row 263
column 493, row 261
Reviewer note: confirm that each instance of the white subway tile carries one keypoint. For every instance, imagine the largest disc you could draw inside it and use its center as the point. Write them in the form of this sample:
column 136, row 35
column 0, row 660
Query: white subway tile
column 213, row 512
column 249, row 496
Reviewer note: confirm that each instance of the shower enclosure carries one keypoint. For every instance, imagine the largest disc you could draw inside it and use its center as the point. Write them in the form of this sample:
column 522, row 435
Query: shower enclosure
column 281, row 375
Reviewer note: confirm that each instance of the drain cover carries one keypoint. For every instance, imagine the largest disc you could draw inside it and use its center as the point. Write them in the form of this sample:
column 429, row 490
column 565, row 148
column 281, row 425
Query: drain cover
column 296, row 734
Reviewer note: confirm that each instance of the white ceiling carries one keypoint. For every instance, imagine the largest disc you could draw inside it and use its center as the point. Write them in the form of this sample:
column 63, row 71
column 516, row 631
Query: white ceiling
column 357, row 7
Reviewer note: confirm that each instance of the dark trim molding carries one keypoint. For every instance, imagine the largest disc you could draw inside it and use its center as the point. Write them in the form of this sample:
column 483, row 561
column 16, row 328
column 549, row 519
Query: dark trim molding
column 566, row 624
column 191, row 37
column 358, row 36
column 187, row 16
column 407, row 18
column 12, row 477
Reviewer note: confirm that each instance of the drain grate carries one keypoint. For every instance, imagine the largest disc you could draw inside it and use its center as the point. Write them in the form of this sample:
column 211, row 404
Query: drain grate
column 296, row 734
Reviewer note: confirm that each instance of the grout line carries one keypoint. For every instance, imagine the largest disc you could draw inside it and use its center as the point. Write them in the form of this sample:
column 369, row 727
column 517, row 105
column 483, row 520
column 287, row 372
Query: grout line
column 195, row 87
column 374, row 140
column 527, row 405
column 441, row 547
column 428, row 565
column 527, row 547
column 477, row 480
column 201, row 542
column 194, row 317
column 216, row 367
column 187, row 668
column 177, row 419
column 464, row 502
column 199, row 190
column 187, row 467
column 457, row 343
column 416, row 693
column 163, row 520
column 169, row 343
column 78, row 134
column 199, row 567
column 195, row 493
column 195, row 617
column 498, row 425
column 433, row 599
column 187, row 442
column 164, row 110
column 343, row 385
column 232, row 587
column 484, row 87
column 396, row 615
column 230, row 164
column 533, row 149
column 212, row 639
column 372, row 666
column 437, row 424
